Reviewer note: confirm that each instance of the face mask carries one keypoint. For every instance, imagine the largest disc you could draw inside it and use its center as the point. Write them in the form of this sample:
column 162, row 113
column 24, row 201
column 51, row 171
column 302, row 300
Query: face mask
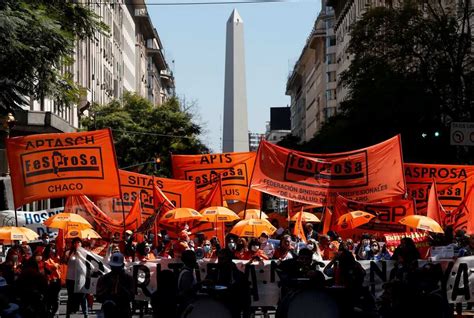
column 231, row 246
column 39, row 258
column 53, row 252
column 147, row 250
column 254, row 248
column 15, row 258
column 310, row 247
column 207, row 249
column 263, row 240
column 46, row 241
column 367, row 248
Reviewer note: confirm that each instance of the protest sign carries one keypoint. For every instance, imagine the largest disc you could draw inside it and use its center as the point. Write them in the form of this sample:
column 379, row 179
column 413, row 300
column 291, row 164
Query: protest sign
column 32, row 220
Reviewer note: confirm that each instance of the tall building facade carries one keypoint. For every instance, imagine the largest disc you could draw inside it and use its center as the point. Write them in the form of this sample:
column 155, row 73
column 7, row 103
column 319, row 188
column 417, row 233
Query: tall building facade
column 235, row 128
column 312, row 82
column 128, row 58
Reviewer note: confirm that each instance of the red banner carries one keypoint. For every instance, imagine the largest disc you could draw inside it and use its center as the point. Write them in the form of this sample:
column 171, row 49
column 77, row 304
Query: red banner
column 181, row 193
column 60, row 165
column 421, row 239
column 452, row 182
column 235, row 169
column 388, row 214
column 368, row 174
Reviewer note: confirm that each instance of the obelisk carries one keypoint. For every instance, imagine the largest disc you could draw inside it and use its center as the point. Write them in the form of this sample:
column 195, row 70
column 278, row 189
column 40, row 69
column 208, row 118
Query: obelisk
column 235, row 129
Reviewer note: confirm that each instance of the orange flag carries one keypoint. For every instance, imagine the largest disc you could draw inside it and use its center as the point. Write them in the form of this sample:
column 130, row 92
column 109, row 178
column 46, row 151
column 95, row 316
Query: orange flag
column 463, row 217
column 327, row 221
column 160, row 200
column 215, row 197
column 435, row 209
column 134, row 217
column 298, row 230
column 102, row 223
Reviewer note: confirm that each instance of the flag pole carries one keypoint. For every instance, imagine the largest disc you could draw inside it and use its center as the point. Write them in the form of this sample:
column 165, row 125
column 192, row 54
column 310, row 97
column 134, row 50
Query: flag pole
column 250, row 181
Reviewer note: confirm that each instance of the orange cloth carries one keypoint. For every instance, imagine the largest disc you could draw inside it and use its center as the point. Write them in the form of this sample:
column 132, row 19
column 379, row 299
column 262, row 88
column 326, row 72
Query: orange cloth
column 53, row 268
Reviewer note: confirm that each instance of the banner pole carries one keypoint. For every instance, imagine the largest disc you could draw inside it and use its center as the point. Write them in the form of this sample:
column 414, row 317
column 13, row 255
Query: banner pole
column 250, row 181
column 123, row 213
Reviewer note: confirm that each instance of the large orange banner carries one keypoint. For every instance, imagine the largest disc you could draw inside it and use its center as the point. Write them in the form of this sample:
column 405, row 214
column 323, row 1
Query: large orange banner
column 368, row 174
column 235, row 169
column 180, row 192
column 388, row 214
column 59, row 165
column 452, row 182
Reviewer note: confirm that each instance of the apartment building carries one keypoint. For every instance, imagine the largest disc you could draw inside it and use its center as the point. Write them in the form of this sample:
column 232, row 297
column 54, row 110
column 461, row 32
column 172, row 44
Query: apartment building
column 129, row 58
column 312, row 82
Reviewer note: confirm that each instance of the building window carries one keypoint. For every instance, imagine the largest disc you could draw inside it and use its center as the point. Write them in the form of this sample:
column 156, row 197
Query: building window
column 329, row 24
column 330, row 41
column 331, row 58
column 329, row 112
column 330, row 94
column 331, row 76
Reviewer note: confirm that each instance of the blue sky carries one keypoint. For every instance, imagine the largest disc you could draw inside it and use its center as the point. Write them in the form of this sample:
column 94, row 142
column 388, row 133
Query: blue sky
column 194, row 37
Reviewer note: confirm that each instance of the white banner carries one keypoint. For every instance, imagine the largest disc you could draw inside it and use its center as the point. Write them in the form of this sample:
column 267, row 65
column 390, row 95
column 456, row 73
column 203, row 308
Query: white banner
column 458, row 279
column 31, row 220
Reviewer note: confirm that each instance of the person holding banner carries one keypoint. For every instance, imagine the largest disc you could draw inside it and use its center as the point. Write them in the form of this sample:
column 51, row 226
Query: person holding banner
column 74, row 299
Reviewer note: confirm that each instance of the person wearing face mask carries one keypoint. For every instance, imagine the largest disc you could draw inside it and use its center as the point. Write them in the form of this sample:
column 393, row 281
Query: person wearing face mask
column 231, row 245
column 11, row 268
column 363, row 248
column 53, row 273
column 45, row 239
column 39, row 259
column 313, row 246
column 254, row 252
column 266, row 246
column 73, row 261
column 207, row 248
column 241, row 249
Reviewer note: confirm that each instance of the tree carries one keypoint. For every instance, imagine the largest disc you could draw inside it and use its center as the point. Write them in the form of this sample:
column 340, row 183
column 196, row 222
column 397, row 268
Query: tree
column 36, row 40
column 411, row 73
column 143, row 132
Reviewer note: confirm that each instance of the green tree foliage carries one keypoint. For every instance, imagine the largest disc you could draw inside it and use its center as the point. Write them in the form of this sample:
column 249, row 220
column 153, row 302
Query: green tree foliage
column 411, row 73
column 36, row 40
column 142, row 132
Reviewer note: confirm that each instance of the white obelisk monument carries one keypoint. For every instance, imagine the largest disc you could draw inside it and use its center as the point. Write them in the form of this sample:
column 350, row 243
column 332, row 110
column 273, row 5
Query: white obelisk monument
column 235, row 129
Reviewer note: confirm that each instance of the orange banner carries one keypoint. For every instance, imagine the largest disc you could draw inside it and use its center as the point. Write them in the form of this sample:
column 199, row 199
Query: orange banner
column 452, row 182
column 59, row 165
column 235, row 170
column 368, row 174
column 182, row 194
column 388, row 214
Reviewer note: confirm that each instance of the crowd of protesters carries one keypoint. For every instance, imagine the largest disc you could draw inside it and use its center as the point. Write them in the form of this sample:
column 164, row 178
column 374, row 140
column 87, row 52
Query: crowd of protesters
column 30, row 276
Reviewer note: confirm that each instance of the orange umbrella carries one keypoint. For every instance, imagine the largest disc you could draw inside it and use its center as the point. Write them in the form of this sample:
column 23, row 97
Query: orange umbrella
column 64, row 220
column 218, row 214
column 82, row 233
column 252, row 214
column 354, row 219
column 307, row 217
column 422, row 222
column 13, row 233
column 180, row 215
column 253, row 228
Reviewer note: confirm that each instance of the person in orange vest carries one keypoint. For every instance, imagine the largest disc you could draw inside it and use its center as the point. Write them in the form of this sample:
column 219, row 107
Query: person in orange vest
column 53, row 272
column 181, row 245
